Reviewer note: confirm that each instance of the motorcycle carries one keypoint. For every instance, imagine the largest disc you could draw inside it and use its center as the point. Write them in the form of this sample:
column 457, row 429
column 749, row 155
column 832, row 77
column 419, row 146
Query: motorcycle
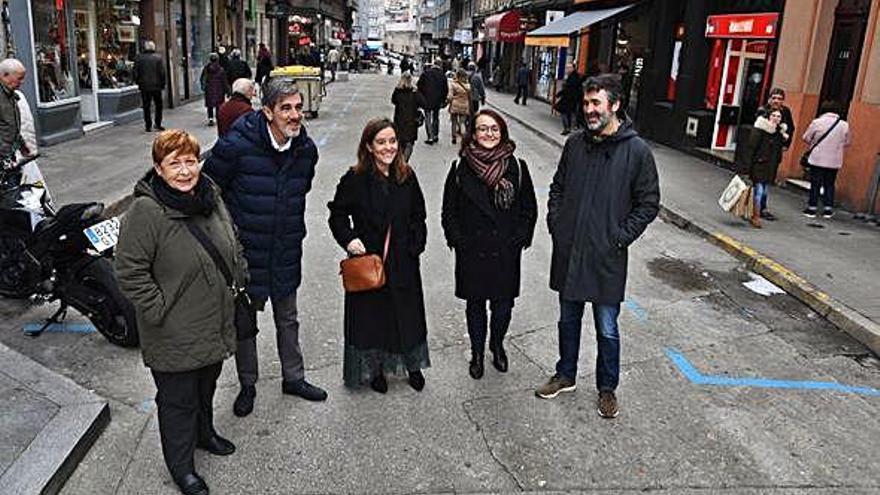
column 64, row 255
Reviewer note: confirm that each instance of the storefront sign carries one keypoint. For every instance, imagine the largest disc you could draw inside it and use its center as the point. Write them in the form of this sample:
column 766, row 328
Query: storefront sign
column 762, row 26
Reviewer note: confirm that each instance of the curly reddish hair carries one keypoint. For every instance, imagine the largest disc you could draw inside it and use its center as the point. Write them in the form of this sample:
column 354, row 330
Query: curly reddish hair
column 174, row 141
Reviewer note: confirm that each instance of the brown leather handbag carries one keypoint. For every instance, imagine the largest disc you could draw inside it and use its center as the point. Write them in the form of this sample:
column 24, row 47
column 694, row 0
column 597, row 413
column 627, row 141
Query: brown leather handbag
column 366, row 271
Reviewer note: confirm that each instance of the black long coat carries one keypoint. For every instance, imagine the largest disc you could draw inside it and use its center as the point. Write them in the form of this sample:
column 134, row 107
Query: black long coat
column 488, row 242
column 571, row 95
column 391, row 318
column 764, row 151
column 603, row 196
column 406, row 106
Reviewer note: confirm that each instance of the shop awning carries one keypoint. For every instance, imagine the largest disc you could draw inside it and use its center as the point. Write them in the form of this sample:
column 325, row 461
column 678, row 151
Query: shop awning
column 504, row 27
column 558, row 33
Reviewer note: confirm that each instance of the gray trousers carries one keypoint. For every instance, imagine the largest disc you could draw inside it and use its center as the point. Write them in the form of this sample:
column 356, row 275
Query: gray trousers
column 287, row 337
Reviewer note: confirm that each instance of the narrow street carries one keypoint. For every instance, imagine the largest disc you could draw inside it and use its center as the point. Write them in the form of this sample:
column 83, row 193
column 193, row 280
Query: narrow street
column 720, row 385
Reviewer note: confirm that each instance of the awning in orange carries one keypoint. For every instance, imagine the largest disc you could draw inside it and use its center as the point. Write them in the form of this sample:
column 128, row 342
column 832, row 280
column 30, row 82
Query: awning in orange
column 504, row 27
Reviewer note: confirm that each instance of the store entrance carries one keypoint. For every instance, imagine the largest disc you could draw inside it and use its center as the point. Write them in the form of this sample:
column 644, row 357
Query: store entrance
column 86, row 59
column 847, row 38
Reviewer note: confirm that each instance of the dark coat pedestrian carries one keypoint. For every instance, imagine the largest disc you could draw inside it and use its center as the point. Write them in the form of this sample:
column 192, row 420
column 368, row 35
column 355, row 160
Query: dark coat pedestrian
column 149, row 71
column 522, row 75
column 266, row 195
column 603, row 196
column 385, row 329
column 230, row 111
column 407, row 102
column 434, row 88
column 264, row 65
column 488, row 241
column 238, row 69
column 214, row 84
column 571, row 96
column 765, row 150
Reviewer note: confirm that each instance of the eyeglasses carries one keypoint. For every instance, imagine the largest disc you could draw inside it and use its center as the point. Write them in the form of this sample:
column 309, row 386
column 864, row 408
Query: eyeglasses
column 485, row 129
column 177, row 166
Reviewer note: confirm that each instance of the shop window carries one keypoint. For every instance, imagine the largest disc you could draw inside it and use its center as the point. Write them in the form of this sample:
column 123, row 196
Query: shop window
column 55, row 80
column 116, row 40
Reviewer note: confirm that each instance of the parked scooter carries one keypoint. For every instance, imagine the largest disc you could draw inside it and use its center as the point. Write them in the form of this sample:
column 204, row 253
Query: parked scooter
column 48, row 255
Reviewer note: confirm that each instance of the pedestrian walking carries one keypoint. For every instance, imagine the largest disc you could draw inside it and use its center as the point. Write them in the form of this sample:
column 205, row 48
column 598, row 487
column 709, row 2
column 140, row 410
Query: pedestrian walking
column 12, row 74
column 604, row 194
column 184, row 307
column 406, row 65
column 776, row 101
column 214, row 85
column 489, row 214
column 478, row 89
column 763, row 156
column 149, row 74
column 265, row 166
column 407, row 106
column 828, row 136
column 570, row 98
column 522, row 83
column 434, row 89
column 237, row 68
column 459, row 98
column 379, row 208
column 264, row 64
column 333, row 60
column 243, row 93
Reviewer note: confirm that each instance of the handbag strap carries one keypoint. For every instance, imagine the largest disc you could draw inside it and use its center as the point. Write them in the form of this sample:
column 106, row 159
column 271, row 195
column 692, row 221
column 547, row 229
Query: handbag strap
column 824, row 135
column 212, row 251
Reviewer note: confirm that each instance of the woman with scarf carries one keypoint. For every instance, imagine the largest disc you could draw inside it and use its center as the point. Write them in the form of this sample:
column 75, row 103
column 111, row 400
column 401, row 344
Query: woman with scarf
column 184, row 306
column 764, row 155
column 489, row 214
column 379, row 205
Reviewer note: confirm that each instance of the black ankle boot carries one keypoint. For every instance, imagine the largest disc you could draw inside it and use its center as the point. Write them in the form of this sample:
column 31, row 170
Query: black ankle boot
column 499, row 357
column 476, row 367
column 416, row 380
column 379, row 384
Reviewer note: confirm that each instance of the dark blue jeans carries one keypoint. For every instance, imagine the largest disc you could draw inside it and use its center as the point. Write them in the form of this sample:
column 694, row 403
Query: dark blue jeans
column 477, row 321
column 607, row 336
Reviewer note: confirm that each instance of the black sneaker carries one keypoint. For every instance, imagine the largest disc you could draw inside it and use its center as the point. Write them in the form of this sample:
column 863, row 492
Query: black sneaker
column 159, row 128
column 416, row 380
column 828, row 213
column 809, row 213
column 304, row 389
column 244, row 403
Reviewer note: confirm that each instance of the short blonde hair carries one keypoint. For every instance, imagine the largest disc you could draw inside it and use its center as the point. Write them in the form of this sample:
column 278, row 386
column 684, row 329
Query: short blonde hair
column 174, row 141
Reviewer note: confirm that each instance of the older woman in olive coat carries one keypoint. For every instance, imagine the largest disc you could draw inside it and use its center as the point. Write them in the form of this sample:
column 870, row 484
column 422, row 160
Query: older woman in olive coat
column 184, row 306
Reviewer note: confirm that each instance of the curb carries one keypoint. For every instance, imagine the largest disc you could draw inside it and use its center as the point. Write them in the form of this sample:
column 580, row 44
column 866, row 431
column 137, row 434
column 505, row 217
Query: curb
column 840, row 315
column 54, row 453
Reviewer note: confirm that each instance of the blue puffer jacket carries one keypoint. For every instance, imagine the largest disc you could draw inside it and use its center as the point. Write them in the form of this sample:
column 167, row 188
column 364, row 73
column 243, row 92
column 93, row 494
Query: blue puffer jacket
column 265, row 191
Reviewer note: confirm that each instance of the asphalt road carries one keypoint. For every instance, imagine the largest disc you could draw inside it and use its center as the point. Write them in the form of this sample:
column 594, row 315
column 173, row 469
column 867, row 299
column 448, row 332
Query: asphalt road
column 723, row 390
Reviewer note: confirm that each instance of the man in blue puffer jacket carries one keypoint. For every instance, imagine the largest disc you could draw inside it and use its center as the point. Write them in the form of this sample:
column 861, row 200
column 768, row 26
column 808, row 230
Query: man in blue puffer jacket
column 265, row 166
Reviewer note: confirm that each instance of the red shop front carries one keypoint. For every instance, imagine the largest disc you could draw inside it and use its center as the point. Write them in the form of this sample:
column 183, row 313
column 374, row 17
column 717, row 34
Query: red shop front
column 739, row 71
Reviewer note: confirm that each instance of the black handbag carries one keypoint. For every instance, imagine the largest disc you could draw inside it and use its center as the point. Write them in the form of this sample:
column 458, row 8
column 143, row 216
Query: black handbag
column 805, row 158
column 245, row 314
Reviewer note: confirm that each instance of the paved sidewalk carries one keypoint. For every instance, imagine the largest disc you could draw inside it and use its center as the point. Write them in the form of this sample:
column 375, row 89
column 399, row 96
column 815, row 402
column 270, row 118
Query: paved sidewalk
column 831, row 265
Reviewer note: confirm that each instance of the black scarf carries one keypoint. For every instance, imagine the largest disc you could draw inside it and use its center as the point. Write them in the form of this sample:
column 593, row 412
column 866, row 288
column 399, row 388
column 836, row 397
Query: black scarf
column 202, row 202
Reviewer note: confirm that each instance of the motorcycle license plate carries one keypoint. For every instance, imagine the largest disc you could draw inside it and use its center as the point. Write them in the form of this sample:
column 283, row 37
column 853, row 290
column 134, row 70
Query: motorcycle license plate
column 103, row 235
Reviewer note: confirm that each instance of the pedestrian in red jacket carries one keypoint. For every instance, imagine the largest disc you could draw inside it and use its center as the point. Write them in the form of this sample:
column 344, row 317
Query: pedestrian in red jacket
column 243, row 91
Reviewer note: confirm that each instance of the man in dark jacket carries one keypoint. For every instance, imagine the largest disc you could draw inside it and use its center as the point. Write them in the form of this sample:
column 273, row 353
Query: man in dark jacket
column 522, row 83
column 12, row 73
column 149, row 74
column 776, row 101
column 434, row 88
column 265, row 167
column 243, row 91
column 604, row 194
column 237, row 68
column 478, row 89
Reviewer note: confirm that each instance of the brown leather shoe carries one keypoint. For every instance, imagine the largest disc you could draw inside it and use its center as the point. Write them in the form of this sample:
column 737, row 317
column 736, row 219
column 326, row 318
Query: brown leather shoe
column 608, row 405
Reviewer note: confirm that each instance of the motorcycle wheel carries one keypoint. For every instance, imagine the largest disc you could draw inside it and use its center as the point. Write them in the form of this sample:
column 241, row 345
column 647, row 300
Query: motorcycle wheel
column 115, row 318
column 19, row 275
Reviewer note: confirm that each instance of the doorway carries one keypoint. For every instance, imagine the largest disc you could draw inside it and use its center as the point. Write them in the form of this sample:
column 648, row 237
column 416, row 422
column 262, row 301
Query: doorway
column 86, row 59
column 842, row 66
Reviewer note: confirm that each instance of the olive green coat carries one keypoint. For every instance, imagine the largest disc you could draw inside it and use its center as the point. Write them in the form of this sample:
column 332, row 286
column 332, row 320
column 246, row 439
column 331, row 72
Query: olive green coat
column 184, row 308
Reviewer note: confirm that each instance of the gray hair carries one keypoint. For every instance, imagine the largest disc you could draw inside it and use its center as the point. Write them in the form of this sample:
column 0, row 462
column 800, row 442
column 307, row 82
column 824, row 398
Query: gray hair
column 277, row 88
column 149, row 46
column 11, row 66
column 242, row 86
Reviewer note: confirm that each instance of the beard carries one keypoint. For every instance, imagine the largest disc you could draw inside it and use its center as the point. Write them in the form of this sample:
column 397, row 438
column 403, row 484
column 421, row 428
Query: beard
column 602, row 121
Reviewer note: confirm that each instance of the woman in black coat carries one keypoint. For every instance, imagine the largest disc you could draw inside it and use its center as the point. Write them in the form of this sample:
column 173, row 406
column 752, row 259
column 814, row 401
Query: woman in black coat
column 765, row 153
column 385, row 329
column 489, row 214
column 214, row 84
column 570, row 99
column 407, row 102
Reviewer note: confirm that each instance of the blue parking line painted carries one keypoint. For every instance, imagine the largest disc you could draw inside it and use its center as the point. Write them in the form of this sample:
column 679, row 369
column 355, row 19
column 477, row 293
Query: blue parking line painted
column 63, row 327
column 694, row 376
column 637, row 311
